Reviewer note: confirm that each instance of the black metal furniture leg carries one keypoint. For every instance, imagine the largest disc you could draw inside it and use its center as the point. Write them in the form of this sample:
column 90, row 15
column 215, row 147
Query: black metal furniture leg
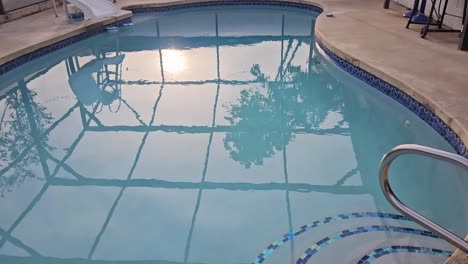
column 464, row 37
column 413, row 12
column 425, row 28
column 443, row 14
column 386, row 4
column 465, row 9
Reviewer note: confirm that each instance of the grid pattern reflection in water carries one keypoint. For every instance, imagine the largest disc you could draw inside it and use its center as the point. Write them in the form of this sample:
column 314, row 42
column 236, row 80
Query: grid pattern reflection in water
column 205, row 135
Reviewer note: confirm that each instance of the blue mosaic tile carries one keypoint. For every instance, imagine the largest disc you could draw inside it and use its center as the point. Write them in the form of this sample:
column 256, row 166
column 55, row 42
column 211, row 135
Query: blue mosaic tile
column 363, row 229
column 8, row 66
column 160, row 9
column 401, row 97
column 380, row 252
column 289, row 236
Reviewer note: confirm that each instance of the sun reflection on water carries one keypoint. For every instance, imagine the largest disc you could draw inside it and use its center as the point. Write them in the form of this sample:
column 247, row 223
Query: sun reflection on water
column 174, row 61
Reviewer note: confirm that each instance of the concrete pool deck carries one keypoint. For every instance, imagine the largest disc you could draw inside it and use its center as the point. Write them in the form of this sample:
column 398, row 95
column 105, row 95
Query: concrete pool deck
column 40, row 30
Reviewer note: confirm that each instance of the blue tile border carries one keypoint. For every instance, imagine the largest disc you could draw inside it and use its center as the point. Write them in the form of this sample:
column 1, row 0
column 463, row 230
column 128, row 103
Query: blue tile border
column 160, row 9
column 289, row 236
column 360, row 230
column 10, row 65
column 380, row 252
column 401, row 97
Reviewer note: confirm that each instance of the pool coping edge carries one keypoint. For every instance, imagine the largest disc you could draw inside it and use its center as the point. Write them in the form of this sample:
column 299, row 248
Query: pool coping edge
column 85, row 28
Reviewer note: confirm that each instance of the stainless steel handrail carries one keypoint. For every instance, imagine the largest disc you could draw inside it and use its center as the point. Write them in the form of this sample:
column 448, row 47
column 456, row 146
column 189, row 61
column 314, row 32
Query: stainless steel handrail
column 393, row 199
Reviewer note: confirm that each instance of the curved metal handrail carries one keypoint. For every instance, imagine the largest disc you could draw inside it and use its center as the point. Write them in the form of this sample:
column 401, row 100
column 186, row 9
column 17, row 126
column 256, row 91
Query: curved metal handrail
column 393, row 199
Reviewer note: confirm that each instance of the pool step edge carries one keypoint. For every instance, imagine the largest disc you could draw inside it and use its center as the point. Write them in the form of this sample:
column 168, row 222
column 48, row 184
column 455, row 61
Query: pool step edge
column 459, row 257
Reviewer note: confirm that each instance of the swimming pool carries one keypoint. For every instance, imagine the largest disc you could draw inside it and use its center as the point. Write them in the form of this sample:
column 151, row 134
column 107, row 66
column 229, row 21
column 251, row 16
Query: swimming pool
column 211, row 135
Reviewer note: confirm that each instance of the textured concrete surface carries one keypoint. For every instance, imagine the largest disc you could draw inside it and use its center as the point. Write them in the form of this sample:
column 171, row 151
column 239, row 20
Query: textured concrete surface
column 22, row 36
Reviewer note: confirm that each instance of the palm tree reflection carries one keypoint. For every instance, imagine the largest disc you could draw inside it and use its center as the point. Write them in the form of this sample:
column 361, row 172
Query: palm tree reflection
column 16, row 135
column 260, row 129
column 263, row 118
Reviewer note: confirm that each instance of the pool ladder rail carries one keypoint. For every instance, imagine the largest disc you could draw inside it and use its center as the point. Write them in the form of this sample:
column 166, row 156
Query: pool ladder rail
column 401, row 207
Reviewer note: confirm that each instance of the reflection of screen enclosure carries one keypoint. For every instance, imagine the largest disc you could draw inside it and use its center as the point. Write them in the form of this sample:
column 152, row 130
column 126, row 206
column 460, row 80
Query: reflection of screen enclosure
column 194, row 130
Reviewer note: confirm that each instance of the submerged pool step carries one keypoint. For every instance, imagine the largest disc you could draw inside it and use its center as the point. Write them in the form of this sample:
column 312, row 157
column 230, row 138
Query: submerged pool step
column 380, row 252
column 328, row 220
column 325, row 242
column 420, row 242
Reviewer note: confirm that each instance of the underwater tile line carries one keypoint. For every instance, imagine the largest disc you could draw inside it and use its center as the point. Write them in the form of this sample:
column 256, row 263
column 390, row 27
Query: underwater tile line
column 380, row 252
column 401, row 97
column 291, row 235
column 360, row 230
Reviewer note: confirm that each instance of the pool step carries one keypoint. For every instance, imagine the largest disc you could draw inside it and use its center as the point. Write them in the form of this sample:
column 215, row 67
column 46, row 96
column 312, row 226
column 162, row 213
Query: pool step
column 369, row 244
column 360, row 238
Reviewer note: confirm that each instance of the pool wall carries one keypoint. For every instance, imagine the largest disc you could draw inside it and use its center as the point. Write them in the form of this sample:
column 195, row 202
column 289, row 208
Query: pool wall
column 397, row 94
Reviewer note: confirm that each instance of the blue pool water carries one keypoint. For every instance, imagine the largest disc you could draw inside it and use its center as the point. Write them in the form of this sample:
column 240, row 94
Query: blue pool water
column 211, row 135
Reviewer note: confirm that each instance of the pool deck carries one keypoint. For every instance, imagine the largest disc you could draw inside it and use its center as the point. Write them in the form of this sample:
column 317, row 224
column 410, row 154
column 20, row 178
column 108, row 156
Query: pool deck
column 30, row 33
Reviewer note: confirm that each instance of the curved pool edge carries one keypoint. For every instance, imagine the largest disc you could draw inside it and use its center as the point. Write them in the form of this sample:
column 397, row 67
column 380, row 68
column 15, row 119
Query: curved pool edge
column 196, row 3
column 402, row 97
column 451, row 129
column 435, row 115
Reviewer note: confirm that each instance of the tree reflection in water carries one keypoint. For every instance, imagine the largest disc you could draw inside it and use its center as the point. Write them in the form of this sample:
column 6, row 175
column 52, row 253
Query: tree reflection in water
column 263, row 118
column 16, row 128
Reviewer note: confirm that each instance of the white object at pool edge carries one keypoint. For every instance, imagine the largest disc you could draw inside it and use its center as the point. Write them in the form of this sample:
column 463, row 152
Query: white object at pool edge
column 94, row 9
